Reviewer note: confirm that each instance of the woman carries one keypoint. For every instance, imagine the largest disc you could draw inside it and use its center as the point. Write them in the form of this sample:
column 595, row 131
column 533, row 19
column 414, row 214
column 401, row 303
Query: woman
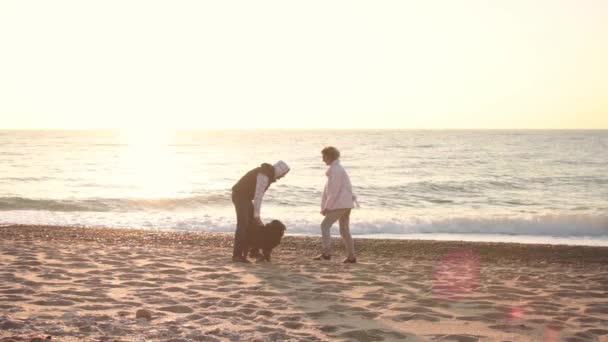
column 336, row 204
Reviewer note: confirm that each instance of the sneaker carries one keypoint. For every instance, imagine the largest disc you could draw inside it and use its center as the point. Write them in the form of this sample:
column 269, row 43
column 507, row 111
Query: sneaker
column 240, row 259
column 322, row 257
column 350, row 260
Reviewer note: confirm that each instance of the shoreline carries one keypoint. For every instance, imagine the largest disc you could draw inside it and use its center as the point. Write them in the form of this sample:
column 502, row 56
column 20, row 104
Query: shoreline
column 531, row 239
column 107, row 284
column 310, row 245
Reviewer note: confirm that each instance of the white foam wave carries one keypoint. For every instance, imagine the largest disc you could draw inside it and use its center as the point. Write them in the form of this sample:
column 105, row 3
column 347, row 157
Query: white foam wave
column 553, row 226
column 549, row 225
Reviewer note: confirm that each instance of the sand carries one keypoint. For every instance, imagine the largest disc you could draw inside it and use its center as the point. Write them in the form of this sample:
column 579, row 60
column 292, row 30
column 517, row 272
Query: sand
column 72, row 284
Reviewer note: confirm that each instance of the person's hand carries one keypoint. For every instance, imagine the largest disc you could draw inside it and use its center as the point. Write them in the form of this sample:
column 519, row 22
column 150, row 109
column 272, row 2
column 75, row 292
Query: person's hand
column 356, row 202
column 258, row 221
column 324, row 212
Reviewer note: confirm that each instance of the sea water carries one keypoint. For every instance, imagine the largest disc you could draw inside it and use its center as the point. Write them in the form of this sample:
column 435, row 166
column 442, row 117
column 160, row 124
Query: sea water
column 541, row 186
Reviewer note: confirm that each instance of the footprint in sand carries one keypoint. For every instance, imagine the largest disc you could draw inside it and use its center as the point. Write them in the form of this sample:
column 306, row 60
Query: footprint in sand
column 173, row 272
column 374, row 335
column 80, row 265
column 512, row 328
column 96, row 307
column 79, row 293
column 14, row 299
column 265, row 313
column 175, row 280
column 246, row 311
column 174, row 289
column 208, row 305
column 28, row 263
column 318, row 314
column 225, row 303
column 129, row 276
column 160, row 301
column 112, row 262
column 290, row 318
column 129, row 270
column 260, row 293
column 413, row 317
column 292, row 325
column 54, row 302
column 23, row 291
column 455, row 338
column 328, row 328
column 597, row 309
column 205, row 269
column 158, row 265
column 598, row 332
column 177, row 309
column 137, row 284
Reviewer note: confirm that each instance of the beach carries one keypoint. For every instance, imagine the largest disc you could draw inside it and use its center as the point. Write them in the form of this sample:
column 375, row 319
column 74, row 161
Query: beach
column 101, row 284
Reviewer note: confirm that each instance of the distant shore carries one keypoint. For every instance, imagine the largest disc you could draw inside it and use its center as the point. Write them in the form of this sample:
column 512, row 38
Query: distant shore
column 76, row 283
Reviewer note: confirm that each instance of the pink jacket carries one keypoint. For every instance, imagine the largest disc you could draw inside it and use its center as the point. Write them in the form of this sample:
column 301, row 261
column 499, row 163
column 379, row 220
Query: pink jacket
column 338, row 192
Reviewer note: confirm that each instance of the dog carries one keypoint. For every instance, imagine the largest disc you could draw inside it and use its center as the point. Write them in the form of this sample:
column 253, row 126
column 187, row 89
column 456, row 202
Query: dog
column 264, row 238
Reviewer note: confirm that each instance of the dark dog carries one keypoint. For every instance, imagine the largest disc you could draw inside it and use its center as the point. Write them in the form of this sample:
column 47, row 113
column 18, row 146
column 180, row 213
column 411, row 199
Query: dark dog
column 264, row 238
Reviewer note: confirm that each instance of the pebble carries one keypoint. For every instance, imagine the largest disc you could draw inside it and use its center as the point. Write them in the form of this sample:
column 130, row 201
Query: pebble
column 143, row 313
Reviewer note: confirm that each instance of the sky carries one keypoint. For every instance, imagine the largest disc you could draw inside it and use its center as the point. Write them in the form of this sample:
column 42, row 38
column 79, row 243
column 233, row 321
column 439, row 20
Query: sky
column 304, row 64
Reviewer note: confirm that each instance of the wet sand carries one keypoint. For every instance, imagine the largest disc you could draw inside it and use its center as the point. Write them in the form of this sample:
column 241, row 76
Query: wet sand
column 90, row 284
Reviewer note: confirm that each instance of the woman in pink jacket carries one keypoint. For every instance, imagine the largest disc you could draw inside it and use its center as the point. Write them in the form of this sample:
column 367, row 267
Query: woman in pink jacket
column 337, row 202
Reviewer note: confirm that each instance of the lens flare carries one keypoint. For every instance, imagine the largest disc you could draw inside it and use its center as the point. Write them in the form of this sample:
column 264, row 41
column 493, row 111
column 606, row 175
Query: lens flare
column 456, row 274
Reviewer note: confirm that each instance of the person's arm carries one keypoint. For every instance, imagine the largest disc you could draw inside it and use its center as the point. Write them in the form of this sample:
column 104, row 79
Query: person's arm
column 324, row 199
column 334, row 181
column 260, row 188
column 349, row 186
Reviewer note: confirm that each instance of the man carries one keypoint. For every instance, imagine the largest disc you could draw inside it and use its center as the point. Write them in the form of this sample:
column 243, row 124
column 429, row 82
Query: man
column 247, row 195
column 336, row 204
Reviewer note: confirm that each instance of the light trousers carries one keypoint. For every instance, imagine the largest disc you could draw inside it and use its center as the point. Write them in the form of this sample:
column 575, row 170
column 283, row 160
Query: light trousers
column 343, row 216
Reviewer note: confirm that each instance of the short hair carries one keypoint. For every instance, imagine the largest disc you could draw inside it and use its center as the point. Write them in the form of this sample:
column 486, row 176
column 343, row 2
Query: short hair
column 331, row 152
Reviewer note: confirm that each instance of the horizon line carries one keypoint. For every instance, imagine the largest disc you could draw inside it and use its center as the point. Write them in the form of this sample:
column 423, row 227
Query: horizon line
column 301, row 129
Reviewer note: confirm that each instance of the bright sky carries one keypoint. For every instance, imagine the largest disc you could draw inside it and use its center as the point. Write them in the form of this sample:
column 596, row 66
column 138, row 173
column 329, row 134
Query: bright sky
column 304, row 64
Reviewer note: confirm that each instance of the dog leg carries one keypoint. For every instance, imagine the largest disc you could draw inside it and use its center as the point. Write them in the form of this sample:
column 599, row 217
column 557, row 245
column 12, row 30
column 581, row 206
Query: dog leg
column 254, row 253
column 266, row 254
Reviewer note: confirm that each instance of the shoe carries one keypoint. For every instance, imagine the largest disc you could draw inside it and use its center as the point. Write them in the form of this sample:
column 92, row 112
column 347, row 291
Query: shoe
column 322, row 257
column 240, row 259
column 350, row 261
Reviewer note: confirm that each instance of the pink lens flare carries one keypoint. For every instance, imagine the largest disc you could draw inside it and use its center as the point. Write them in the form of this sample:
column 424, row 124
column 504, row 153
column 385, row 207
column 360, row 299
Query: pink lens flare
column 551, row 335
column 516, row 313
column 456, row 274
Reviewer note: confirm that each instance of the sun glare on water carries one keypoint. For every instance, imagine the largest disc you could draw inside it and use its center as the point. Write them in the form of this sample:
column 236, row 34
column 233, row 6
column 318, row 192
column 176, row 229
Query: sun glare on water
column 150, row 165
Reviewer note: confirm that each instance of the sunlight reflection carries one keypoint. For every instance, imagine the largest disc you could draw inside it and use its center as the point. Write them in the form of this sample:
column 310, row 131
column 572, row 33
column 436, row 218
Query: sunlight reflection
column 149, row 163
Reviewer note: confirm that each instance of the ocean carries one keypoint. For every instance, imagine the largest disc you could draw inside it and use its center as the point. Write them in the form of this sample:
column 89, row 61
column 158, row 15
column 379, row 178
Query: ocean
column 529, row 186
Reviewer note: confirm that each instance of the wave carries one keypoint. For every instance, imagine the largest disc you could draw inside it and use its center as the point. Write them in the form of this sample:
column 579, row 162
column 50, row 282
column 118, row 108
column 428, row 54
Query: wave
column 554, row 225
column 26, row 179
column 217, row 198
column 447, row 187
column 112, row 204
column 561, row 225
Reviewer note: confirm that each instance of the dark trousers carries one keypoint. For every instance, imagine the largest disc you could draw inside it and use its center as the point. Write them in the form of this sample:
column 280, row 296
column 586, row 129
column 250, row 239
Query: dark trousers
column 244, row 218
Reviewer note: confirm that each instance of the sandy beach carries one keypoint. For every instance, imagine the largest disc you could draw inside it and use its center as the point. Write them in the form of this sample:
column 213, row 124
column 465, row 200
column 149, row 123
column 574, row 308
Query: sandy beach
column 72, row 284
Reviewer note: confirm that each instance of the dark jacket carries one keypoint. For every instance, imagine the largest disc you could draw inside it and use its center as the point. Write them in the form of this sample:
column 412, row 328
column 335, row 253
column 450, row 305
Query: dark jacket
column 245, row 187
